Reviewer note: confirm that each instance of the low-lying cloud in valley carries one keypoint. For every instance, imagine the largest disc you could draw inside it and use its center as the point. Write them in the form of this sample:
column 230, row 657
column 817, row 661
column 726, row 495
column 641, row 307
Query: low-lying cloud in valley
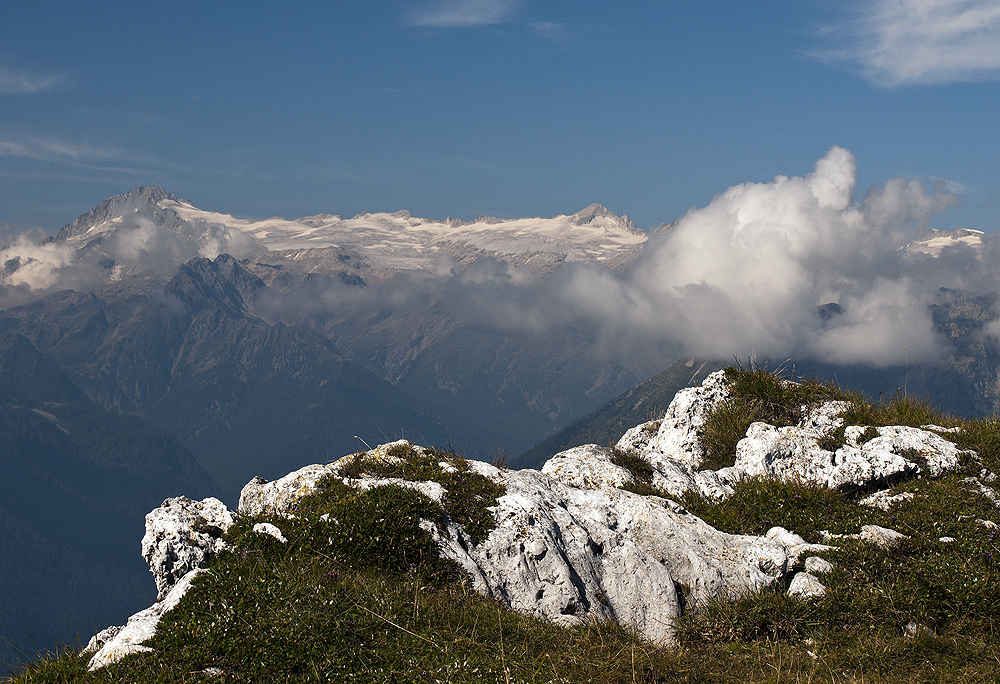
column 793, row 268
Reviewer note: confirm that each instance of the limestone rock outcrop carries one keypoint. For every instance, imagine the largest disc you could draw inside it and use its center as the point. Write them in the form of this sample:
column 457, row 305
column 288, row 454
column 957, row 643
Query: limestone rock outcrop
column 179, row 535
column 869, row 456
column 569, row 542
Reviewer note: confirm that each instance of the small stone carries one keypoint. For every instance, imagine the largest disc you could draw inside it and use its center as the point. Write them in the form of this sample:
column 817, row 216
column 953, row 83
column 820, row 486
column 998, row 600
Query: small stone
column 806, row 586
column 914, row 628
column 882, row 536
column 885, row 499
column 269, row 529
column 818, row 566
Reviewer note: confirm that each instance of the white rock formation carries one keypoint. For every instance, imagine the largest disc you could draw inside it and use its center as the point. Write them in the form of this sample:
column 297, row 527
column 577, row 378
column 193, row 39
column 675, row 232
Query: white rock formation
column 179, row 535
column 787, row 453
column 571, row 554
column 677, row 437
column 794, row 453
column 569, row 543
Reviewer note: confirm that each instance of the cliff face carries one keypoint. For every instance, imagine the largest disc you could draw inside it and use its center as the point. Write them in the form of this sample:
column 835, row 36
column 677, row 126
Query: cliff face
column 593, row 535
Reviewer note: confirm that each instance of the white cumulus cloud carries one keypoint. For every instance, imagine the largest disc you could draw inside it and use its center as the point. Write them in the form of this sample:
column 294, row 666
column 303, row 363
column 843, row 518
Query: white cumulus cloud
column 749, row 272
column 899, row 42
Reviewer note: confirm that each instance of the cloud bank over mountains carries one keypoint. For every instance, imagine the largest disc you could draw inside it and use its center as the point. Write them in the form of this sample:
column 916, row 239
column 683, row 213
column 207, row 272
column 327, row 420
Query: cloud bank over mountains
column 796, row 267
column 749, row 272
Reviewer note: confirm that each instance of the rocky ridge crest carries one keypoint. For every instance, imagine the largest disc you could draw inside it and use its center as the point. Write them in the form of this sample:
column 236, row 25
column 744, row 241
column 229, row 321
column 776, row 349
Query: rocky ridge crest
column 571, row 543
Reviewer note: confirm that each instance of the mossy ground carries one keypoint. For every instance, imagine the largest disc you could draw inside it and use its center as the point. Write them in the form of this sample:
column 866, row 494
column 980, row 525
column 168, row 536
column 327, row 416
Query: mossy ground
column 368, row 600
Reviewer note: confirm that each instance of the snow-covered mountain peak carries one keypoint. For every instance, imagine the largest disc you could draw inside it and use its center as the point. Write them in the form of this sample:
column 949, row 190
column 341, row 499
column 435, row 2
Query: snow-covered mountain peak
column 395, row 240
column 931, row 242
column 105, row 213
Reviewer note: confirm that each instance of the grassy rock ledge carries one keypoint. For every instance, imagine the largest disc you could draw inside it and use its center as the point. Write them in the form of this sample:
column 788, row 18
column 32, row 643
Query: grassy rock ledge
column 763, row 530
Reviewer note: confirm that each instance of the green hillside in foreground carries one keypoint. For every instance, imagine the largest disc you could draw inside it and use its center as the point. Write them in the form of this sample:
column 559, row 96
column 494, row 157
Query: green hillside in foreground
column 374, row 603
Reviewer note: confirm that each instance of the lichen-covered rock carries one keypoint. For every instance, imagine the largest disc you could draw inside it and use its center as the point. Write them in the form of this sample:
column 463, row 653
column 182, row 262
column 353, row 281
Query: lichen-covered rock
column 179, row 535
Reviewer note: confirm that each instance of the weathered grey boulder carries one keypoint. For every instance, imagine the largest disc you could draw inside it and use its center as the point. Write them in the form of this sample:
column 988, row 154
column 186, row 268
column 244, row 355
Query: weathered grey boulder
column 572, row 554
column 179, row 535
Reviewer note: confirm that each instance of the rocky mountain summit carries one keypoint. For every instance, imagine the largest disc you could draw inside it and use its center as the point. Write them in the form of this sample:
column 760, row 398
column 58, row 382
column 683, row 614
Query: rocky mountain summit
column 599, row 532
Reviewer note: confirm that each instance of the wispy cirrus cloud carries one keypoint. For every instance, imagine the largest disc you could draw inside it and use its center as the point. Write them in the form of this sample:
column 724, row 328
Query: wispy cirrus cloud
column 459, row 13
column 902, row 42
column 58, row 151
column 21, row 82
column 552, row 30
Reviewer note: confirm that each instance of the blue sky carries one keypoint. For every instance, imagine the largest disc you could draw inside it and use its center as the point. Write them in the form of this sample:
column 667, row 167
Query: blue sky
column 501, row 107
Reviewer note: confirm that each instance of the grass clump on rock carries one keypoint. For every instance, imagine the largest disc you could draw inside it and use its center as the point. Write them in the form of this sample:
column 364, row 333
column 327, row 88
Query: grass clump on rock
column 757, row 394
